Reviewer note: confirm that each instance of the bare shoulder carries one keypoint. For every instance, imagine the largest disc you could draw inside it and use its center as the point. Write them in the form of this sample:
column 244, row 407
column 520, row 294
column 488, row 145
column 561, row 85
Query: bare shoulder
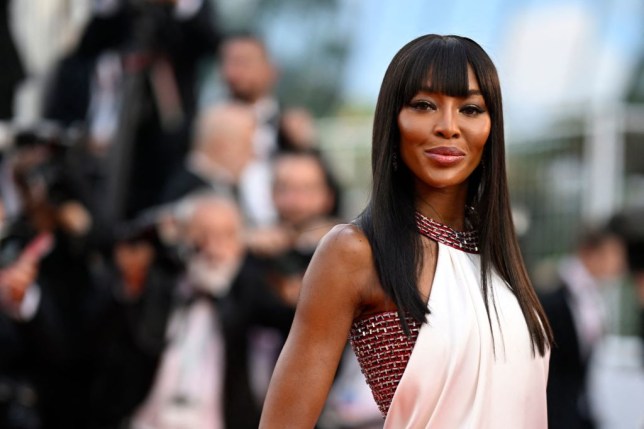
column 343, row 267
column 348, row 243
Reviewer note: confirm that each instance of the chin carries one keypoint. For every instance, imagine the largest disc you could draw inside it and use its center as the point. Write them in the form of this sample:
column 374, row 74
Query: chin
column 444, row 182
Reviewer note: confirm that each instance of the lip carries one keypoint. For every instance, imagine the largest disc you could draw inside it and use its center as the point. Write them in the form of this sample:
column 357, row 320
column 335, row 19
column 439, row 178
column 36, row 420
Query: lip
column 445, row 155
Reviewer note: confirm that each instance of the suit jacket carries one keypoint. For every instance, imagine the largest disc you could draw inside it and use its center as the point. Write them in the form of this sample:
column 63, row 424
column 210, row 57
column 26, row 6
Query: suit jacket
column 567, row 396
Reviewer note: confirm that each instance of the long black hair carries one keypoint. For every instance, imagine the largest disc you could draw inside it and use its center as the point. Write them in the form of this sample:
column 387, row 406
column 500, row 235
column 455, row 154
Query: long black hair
column 389, row 222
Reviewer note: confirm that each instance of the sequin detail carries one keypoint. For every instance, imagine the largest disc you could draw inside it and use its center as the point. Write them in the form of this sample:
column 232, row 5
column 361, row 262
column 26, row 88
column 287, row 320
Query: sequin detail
column 383, row 350
column 466, row 241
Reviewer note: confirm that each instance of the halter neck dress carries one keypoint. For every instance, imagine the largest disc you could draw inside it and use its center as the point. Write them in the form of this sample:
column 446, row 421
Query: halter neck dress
column 454, row 371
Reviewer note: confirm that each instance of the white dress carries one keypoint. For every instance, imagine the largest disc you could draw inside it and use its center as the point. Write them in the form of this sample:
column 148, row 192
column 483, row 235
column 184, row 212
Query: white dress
column 457, row 375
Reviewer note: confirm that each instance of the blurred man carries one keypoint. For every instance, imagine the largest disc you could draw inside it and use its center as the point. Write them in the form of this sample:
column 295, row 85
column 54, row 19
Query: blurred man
column 306, row 199
column 202, row 380
column 303, row 189
column 578, row 316
column 250, row 77
column 305, row 196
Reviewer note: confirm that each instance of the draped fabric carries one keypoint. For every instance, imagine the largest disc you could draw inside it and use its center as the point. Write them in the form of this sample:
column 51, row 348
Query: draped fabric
column 460, row 373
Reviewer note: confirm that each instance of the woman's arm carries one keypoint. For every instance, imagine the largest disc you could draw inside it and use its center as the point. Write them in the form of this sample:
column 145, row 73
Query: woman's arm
column 330, row 299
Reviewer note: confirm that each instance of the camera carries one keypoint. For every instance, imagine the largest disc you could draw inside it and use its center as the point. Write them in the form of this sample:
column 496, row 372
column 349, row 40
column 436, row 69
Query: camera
column 40, row 162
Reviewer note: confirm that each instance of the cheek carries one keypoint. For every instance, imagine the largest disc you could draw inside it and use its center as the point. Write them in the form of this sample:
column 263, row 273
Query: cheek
column 318, row 203
column 282, row 199
column 411, row 130
column 483, row 134
column 477, row 139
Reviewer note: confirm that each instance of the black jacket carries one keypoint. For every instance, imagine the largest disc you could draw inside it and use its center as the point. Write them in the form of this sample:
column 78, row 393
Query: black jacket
column 567, row 377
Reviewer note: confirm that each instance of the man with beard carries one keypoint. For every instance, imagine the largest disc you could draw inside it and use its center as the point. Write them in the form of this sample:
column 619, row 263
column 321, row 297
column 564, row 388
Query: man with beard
column 250, row 76
column 202, row 379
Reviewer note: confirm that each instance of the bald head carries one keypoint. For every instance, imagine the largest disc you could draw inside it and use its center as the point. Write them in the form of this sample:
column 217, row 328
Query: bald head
column 225, row 135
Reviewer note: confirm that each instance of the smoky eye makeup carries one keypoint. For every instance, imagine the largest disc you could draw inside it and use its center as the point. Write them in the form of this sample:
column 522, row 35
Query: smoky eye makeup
column 421, row 105
column 472, row 110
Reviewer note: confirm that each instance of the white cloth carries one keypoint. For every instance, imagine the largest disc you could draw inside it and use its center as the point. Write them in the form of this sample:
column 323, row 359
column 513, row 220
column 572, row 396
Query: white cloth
column 456, row 376
column 187, row 392
column 265, row 139
column 256, row 194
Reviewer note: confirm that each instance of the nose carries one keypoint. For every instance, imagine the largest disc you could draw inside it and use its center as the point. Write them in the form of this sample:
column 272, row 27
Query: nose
column 446, row 125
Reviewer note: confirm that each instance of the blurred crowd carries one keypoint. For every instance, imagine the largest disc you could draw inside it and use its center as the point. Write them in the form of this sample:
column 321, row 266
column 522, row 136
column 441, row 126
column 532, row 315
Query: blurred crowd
column 152, row 250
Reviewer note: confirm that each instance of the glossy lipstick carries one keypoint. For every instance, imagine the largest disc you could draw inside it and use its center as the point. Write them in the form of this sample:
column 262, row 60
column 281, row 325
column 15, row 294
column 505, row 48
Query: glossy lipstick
column 444, row 155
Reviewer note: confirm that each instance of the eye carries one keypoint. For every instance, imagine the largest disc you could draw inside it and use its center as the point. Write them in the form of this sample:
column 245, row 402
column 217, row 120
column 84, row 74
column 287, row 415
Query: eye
column 472, row 110
column 422, row 105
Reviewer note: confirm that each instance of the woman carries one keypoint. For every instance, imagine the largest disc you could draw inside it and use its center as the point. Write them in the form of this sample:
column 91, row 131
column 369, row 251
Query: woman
column 428, row 282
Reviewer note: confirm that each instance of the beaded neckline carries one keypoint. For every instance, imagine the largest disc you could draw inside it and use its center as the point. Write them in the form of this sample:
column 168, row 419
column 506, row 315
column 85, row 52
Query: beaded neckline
column 466, row 241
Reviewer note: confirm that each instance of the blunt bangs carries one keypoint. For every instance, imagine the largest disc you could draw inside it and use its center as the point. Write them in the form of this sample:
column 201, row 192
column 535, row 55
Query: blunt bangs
column 440, row 63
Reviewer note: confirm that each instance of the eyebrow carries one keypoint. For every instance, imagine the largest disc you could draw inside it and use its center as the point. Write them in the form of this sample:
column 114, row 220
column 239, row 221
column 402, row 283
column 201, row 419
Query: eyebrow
column 469, row 93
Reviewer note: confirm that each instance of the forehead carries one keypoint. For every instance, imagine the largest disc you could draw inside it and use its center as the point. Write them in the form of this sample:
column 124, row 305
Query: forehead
column 244, row 47
column 214, row 215
column 297, row 168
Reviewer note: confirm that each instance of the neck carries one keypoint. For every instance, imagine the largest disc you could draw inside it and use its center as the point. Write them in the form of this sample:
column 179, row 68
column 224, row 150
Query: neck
column 446, row 206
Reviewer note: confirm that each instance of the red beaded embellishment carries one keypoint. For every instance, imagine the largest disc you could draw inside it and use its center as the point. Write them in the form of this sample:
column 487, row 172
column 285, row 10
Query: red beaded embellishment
column 466, row 241
column 383, row 350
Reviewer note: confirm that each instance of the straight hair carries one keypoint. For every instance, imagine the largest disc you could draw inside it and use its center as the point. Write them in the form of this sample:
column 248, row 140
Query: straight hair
column 388, row 221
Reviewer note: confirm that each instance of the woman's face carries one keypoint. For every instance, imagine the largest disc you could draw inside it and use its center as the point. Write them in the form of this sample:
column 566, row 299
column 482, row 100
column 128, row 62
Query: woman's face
column 442, row 137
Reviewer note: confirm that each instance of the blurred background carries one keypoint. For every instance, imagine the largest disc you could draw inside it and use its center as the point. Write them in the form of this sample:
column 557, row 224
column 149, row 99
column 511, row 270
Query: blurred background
column 119, row 93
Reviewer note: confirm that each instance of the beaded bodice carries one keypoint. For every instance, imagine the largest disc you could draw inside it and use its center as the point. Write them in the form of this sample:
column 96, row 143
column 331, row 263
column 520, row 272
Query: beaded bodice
column 382, row 350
